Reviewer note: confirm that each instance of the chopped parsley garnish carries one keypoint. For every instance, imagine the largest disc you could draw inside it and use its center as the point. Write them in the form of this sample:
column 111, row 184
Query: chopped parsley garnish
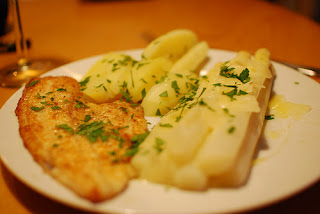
column 136, row 141
column 124, row 109
column 175, row 86
column 34, row 108
column 225, row 72
column 269, row 117
column 33, row 83
column 61, row 89
column 231, row 129
column 164, row 94
column 231, row 93
column 217, row 84
column 142, row 64
column 87, row 118
column 46, row 103
column 85, row 81
column 126, row 95
column 227, row 112
column 243, row 77
column 162, row 78
column 66, row 128
column 242, row 92
column 92, row 130
column 203, row 90
column 143, row 93
column 168, row 125
column 144, row 81
column 55, row 107
column 39, row 96
column 80, row 104
column 114, row 67
column 159, row 144
column 112, row 153
column 124, row 84
column 132, row 80
column 234, row 92
column 99, row 85
column 158, row 113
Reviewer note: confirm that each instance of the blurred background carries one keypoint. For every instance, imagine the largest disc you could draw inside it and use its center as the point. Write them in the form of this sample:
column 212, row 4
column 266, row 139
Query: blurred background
column 310, row 8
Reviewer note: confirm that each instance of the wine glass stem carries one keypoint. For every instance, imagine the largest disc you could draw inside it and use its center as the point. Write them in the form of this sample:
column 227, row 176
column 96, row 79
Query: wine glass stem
column 21, row 43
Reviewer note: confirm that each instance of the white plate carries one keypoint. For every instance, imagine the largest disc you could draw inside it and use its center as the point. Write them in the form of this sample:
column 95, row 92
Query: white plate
column 288, row 165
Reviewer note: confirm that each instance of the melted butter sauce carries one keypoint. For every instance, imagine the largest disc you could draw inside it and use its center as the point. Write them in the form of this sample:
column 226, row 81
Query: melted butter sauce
column 281, row 108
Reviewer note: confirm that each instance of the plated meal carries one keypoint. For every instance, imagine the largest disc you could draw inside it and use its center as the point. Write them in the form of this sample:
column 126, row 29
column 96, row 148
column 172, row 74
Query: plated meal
column 166, row 118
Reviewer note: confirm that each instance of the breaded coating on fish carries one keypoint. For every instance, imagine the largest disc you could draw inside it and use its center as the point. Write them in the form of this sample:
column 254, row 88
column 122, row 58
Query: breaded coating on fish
column 83, row 145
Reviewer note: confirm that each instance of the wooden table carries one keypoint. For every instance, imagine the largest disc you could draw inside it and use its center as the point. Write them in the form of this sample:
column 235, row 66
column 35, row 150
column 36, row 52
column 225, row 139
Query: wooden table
column 75, row 29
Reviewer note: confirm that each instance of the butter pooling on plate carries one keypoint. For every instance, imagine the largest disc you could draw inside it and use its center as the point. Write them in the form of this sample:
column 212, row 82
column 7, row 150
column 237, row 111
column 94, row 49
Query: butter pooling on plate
column 279, row 107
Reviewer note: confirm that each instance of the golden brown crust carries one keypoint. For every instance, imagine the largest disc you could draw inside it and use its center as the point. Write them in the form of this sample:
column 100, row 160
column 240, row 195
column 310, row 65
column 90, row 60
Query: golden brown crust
column 94, row 170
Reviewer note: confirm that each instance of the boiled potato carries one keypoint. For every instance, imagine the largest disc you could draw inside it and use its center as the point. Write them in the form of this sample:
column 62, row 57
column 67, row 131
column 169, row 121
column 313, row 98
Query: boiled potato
column 144, row 75
column 103, row 81
column 192, row 59
column 164, row 96
column 172, row 45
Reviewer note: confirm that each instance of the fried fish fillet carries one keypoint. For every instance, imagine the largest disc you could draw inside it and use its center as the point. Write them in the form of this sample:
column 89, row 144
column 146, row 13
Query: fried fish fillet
column 83, row 145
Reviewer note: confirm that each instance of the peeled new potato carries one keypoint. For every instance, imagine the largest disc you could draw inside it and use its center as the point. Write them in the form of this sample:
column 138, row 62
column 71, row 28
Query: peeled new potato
column 172, row 45
column 209, row 138
column 191, row 60
column 164, row 96
column 103, row 81
column 144, row 75
column 182, row 76
column 117, row 73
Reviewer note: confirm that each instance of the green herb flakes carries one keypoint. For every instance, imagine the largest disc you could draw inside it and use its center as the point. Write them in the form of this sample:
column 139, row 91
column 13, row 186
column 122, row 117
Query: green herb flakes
column 175, row 86
column 244, row 77
column 164, row 94
column 91, row 130
column 66, row 128
column 231, row 93
column 80, row 104
column 159, row 144
column 158, row 113
column 33, row 83
column 269, row 117
column 124, row 109
column 34, row 108
column 168, row 125
column 231, row 129
column 143, row 93
column 135, row 142
column 87, row 118
column 85, row 81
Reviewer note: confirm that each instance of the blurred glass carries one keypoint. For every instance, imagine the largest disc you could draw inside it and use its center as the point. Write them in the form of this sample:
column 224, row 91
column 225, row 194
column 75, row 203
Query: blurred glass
column 3, row 16
column 24, row 69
